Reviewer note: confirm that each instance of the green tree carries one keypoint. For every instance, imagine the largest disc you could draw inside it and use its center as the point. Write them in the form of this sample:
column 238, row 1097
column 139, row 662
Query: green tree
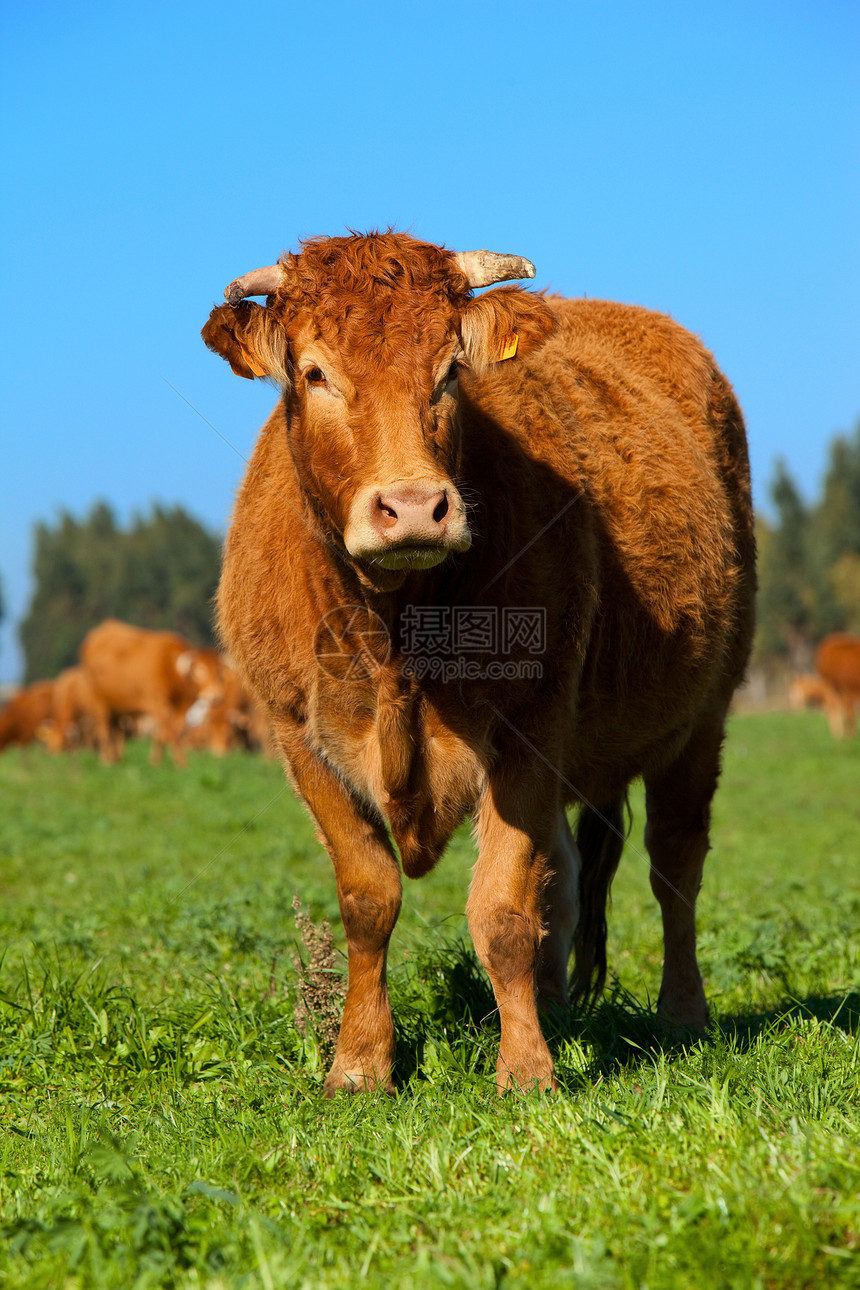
column 809, row 559
column 786, row 597
column 160, row 572
column 835, row 538
column 837, row 517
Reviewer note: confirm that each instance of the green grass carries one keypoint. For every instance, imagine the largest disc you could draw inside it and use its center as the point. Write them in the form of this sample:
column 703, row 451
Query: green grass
column 163, row 1122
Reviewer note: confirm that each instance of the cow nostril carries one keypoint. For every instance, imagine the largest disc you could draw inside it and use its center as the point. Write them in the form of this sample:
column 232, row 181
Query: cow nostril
column 441, row 509
column 386, row 516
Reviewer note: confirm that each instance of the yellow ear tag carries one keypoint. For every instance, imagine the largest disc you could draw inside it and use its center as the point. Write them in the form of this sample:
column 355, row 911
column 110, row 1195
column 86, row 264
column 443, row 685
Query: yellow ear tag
column 509, row 346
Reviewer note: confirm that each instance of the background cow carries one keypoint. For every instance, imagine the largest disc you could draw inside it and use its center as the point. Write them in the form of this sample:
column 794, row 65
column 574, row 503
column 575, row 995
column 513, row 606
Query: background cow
column 72, row 722
column 837, row 661
column 433, row 451
column 808, row 691
column 231, row 721
column 139, row 673
column 25, row 714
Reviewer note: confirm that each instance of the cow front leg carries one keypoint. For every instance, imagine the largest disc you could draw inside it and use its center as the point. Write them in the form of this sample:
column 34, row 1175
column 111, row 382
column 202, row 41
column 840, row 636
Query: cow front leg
column 369, row 894
column 104, row 726
column 505, row 919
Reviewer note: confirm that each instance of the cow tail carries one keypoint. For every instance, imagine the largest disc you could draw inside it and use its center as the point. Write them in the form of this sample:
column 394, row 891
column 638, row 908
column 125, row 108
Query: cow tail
column 600, row 837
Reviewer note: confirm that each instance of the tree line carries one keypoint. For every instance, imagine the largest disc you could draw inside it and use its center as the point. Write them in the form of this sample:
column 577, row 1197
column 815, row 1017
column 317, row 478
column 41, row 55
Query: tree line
column 809, row 560
column 161, row 571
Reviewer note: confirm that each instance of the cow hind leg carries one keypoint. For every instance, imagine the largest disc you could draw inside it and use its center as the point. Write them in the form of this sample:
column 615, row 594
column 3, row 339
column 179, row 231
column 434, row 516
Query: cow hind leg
column 105, row 728
column 600, row 840
column 169, row 726
column 837, row 717
column 678, row 803
column 561, row 914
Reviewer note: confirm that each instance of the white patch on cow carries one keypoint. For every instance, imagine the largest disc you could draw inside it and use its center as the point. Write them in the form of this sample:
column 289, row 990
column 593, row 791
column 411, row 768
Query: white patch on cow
column 196, row 714
column 185, row 662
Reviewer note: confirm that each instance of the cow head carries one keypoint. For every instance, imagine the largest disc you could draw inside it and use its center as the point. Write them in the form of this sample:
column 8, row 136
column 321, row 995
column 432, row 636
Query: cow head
column 370, row 338
column 201, row 670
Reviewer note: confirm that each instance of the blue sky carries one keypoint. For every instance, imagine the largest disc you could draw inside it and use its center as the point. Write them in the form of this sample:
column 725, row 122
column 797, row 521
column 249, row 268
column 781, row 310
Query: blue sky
column 698, row 159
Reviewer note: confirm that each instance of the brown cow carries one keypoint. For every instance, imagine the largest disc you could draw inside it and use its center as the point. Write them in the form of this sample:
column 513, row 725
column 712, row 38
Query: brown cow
column 837, row 661
column 808, row 691
column 233, row 721
column 72, row 722
column 135, row 672
column 554, row 496
column 24, row 716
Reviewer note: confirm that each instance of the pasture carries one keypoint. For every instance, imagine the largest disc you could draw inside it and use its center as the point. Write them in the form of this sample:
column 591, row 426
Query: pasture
column 163, row 1122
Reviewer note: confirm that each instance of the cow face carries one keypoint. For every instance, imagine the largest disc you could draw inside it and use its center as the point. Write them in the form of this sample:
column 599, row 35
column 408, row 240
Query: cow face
column 370, row 339
column 201, row 669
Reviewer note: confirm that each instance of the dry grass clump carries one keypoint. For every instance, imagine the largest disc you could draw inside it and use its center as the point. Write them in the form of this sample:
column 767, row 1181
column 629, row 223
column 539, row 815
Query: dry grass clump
column 321, row 986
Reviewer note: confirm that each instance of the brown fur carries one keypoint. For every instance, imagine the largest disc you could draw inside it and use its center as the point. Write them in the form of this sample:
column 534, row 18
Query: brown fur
column 135, row 672
column 837, row 661
column 25, row 714
column 806, row 691
column 605, row 475
column 233, row 721
column 73, row 712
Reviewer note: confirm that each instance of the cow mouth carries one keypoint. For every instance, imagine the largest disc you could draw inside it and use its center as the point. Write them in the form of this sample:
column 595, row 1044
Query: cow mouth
column 411, row 556
column 406, row 525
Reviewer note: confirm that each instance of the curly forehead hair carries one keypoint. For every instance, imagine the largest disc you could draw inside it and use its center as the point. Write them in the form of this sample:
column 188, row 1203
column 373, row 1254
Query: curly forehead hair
column 373, row 290
column 371, row 265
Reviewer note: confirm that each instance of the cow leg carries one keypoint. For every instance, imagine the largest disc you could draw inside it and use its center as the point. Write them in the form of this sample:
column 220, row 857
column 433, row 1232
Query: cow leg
column 103, row 725
column 169, row 725
column 848, row 723
column 505, row 910
column 678, row 803
column 837, row 716
column 176, row 730
column 561, row 914
column 369, row 893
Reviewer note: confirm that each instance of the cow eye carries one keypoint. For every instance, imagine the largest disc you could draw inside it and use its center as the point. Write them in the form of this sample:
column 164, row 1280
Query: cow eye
column 453, row 372
column 315, row 376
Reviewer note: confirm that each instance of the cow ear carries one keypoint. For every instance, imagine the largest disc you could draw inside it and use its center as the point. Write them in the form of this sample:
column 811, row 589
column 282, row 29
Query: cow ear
column 251, row 339
column 504, row 324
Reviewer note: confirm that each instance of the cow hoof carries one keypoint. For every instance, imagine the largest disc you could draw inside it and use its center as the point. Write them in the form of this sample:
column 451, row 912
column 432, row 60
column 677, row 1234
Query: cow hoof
column 519, row 1084
column 683, row 1021
column 356, row 1081
column 524, row 1077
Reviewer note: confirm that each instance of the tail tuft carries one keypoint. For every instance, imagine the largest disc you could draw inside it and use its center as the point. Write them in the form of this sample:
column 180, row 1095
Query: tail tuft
column 600, row 837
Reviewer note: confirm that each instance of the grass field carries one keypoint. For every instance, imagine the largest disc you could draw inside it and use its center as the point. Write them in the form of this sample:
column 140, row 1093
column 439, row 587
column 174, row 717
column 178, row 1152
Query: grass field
column 163, row 1122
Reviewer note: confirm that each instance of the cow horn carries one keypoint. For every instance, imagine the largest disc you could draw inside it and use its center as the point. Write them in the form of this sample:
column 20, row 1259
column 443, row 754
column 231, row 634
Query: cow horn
column 259, row 282
column 482, row 268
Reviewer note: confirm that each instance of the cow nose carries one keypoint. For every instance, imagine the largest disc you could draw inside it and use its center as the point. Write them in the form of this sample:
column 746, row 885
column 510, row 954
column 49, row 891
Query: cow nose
column 411, row 512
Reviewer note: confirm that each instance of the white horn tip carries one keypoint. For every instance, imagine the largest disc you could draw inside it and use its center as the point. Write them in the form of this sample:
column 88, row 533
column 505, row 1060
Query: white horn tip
column 483, row 268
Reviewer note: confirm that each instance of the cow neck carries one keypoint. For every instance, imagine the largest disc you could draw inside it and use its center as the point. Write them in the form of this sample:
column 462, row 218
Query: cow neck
column 395, row 706
column 394, row 693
